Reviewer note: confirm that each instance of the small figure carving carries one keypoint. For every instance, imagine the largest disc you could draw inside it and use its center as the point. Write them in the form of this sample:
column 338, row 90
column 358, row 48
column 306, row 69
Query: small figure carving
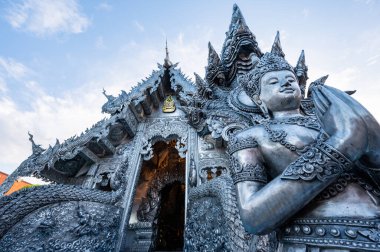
column 169, row 105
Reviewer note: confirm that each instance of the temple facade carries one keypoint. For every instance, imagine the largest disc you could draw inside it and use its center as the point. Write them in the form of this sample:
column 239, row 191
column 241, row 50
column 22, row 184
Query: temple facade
column 155, row 174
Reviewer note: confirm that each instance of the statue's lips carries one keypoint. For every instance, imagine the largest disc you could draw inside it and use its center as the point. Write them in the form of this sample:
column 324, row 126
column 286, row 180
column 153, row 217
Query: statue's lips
column 287, row 90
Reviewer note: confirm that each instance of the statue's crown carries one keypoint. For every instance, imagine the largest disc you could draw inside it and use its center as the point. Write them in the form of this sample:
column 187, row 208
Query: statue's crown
column 269, row 62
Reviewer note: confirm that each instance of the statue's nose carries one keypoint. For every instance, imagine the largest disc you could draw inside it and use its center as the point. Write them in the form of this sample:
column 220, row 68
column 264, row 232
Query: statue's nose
column 286, row 83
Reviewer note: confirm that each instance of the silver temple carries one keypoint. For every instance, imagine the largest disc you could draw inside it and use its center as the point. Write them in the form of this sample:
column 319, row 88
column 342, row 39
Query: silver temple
column 241, row 160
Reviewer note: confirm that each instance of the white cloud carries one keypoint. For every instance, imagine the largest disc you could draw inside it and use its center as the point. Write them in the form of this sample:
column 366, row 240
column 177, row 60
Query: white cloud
column 47, row 117
column 347, row 78
column 368, row 2
column 373, row 60
column 139, row 26
column 99, row 43
column 104, row 6
column 46, row 17
column 3, row 85
column 11, row 68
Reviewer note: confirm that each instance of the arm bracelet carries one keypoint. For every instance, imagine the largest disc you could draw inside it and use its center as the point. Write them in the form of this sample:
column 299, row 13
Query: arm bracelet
column 246, row 172
column 321, row 162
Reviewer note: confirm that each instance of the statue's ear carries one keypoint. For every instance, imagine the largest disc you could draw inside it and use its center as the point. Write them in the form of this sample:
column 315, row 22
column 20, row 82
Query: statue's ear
column 263, row 107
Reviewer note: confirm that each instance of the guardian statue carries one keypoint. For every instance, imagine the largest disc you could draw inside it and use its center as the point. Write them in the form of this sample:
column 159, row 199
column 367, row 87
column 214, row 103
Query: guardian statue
column 313, row 178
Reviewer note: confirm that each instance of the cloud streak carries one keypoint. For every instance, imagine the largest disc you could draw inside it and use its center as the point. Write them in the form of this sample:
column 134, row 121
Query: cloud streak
column 46, row 17
column 47, row 116
column 139, row 26
column 12, row 69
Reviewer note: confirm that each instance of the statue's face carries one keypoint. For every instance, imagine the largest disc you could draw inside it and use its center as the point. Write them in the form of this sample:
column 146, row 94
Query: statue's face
column 280, row 91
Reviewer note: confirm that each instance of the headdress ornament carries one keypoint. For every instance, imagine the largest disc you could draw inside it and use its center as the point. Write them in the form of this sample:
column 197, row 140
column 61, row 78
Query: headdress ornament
column 214, row 64
column 268, row 63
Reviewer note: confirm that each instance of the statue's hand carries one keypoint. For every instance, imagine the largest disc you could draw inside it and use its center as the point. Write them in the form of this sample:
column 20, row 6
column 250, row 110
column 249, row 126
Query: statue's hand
column 347, row 130
column 372, row 155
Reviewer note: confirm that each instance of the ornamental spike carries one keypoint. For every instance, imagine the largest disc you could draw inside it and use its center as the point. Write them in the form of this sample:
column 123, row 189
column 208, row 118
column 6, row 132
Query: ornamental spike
column 237, row 17
column 167, row 62
column 301, row 61
column 36, row 148
column 199, row 81
column 213, row 57
column 301, row 72
column 276, row 47
column 214, row 63
column 109, row 97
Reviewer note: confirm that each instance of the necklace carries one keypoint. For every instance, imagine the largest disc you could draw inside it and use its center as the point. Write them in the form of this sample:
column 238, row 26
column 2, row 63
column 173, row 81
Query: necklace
column 310, row 122
column 278, row 136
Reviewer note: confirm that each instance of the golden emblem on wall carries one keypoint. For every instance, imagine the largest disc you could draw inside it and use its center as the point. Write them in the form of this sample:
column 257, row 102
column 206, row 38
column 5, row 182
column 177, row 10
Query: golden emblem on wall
column 169, row 105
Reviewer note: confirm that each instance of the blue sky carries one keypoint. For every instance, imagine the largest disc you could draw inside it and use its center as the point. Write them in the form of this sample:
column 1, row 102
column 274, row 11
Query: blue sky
column 56, row 56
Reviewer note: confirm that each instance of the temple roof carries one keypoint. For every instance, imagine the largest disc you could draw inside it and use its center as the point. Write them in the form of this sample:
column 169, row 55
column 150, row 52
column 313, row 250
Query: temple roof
column 65, row 161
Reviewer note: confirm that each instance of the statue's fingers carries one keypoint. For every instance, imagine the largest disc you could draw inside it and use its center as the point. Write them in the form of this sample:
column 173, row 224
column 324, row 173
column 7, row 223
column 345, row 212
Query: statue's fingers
column 329, row 95
column 318, row 103
column 325, row 101
column 319, row 115
column 373, row 126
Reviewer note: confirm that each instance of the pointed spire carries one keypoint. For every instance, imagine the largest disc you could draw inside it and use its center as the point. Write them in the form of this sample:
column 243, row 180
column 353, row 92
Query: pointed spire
column 214, row 63
column 36, row 148
column 276, row 47
column 301, row 72
column 213, row 57
column 301, row 61
column 202, row 87
column 237, row 18
column 166, row 49
column 301, row 68
column 238, row 35
column 167, row 62
column 199, row 81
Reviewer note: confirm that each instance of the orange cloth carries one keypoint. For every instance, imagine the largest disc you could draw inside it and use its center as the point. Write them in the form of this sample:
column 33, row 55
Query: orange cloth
column 17, row 185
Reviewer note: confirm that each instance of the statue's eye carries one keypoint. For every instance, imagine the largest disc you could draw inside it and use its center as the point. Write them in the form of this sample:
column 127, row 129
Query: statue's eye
column 273, row 81
column 291, row 79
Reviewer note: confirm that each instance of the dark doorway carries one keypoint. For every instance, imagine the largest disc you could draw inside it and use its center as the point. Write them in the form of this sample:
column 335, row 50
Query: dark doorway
column 170, row 219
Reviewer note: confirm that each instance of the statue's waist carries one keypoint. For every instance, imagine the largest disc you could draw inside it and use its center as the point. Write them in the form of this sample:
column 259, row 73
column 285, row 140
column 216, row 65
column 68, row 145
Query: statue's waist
column 353, row 201
column 334, row 232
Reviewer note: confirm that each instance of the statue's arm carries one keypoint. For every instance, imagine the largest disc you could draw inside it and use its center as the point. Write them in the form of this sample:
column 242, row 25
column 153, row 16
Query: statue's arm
column 264, row 207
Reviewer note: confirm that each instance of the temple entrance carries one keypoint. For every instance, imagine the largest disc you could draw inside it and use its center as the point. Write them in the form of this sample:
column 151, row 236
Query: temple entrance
column 159, row 205
column 169, row 227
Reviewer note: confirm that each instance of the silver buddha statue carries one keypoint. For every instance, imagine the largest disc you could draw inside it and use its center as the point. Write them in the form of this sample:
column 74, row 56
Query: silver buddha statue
column 314, row 179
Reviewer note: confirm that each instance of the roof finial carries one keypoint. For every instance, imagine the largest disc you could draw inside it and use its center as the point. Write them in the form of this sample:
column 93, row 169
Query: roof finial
column 36, row 148
column 167, row 62
column 109, row 97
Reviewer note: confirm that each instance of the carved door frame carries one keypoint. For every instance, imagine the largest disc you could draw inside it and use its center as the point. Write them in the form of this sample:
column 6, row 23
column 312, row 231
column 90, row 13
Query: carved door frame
column 149, row 132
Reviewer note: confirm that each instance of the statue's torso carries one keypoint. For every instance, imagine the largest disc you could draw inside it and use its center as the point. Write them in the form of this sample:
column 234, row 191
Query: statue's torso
column 336, row 220
column 277, row 157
